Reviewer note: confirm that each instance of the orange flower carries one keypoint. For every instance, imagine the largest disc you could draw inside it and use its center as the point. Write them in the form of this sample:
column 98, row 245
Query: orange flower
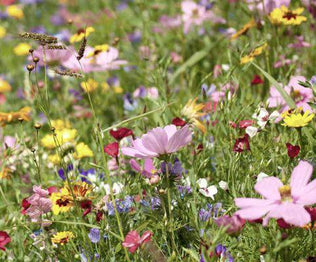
column 7, row 118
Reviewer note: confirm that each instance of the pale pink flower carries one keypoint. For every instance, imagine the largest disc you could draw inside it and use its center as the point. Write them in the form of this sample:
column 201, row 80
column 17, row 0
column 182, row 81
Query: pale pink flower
column 282, row 62
column 300, row 43
column 195, row 14
column 268, row 5
column 132, row 240
column 301, row 95
column 159, row 141
column 282, row 201
column 40, row 203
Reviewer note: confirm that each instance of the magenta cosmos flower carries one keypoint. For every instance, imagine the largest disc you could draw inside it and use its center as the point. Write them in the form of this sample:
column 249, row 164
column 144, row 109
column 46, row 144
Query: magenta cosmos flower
column 301, row 95
column 282, row 201
column 159, row 141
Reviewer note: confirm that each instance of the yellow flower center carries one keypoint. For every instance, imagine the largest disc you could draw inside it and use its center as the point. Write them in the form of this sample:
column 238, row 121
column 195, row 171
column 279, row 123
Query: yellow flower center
column 285, row 192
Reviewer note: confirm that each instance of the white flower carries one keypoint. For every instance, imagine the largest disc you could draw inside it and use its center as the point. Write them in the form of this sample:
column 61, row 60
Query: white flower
column 117, row 188
column 223, row 185
column 261, row 176
column 210, row 191
column 251, row 131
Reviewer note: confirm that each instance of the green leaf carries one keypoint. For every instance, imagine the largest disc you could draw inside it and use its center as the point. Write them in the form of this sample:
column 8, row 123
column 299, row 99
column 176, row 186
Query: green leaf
column 192, row 254
column 118, row 248
column 278, row 87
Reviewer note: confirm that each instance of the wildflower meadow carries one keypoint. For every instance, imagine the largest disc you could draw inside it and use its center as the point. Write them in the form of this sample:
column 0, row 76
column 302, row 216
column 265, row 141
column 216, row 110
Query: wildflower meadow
column 161, row 130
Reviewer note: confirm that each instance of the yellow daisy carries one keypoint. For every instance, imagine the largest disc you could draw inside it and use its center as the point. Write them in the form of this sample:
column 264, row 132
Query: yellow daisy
column 296, row 118
column 62, row 237
column 82, row 150
column 285, row 16
column 62, row 137
column 62, row 201
column 15, row 11
column 81, row 33
column 60, row 124
column 4, row 86
column 191, row 111
column 89, row 86
column 22, row 49
column 256, row 52
column 244, row 29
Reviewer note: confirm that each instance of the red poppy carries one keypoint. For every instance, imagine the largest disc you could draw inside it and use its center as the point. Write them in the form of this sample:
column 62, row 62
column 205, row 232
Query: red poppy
column 256, row 80
column 177, row 121
column 4, row 239
column 242, row 144
column 132, row 240
column 121, row 133
column 112, row 149
column 292, row 151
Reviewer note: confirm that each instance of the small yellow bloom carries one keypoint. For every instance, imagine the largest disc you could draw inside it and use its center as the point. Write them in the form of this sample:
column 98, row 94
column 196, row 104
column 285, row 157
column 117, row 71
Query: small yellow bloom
column 191, row 111
column 55, row 159
column 23, row 113
column 62, row 237
column 2, row 32
column 256, row 52
column 82, row 150
column 4, row 86
column 22, row 49
column 244, row 29
column 81, row 33
column 15, row 11
column 89, row 86
column 285, row 16
column 118, row 90
column 62, row 201
column 297, row 118
column 62, row 137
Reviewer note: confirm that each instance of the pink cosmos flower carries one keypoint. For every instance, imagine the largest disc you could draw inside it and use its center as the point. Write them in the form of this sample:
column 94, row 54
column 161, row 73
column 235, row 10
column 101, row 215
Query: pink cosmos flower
column 195, row 14
column 132, row 240
column 282, row 201
column 159, row 141
column 95, row 61
column 301, row 95
column 39, row 203
column 300, row 43
column 269, row 5
column 282, row 62
column 148, row 170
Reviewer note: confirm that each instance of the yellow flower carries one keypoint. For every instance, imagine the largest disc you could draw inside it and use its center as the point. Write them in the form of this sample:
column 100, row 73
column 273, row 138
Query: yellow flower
column 97, row 50
column 55, row 159
column 82, row 150
column 2, row 32
column 4, row 173
column 256, row 52
column 62, row 237
column 80, row 190
column 244, row 29
column 4, row 86
column 59, row 124
column 15, row 11
column 191, row 111
column 296, row 118
column 89, row 86
column 118, row 90
column 285, row 16
column 105, row 86
column 62, row 137
column 81, row 33
column 22, row 49
column 23, row 113
column 62, row 201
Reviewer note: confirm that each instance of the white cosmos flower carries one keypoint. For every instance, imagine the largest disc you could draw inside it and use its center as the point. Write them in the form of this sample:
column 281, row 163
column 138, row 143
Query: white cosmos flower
column 251, row 131
column 208, row 191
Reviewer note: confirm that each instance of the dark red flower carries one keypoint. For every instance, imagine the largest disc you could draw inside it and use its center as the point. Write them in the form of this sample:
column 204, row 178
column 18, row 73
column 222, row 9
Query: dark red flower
column 312, row 212
column 283, row 224
column 99, row 216
column 256, row 80
column 112, row 149
column 242, row 144
column 4, row 239
column 292, row 151
column 177, row 121
column 121, row 133
column 243, row 124
column 232, row 124
column 87, row 206
column 25, row 205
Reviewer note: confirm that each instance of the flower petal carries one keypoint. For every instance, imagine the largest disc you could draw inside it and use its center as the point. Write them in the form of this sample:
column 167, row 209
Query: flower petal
column 300, row 176
column 269, row 187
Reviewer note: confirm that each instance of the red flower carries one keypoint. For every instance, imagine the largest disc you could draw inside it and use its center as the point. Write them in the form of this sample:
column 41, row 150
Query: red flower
column 243, row 124
column 25, row 205
column 292, row 151
column 177, row 121
column 132, row 240
column 4, row 239
column 283, row 224
column 312, row 212
column 242, row 144
column 87, row 206
column 99, row 216
column 256, row 80
column 232, row 124
column 112, row 149
column 52, row 189
column 121, row 133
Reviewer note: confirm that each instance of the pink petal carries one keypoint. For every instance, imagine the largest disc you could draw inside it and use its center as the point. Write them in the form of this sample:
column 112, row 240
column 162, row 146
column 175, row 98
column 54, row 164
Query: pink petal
column 146, row 237
column 182, row 137
column 156, row 140
column 307, row 195
column 253, row 202
column 253, row 213
column 269, row 188
column 300, row 176
column 291, row 213
column 131, row 239
column 170, row 130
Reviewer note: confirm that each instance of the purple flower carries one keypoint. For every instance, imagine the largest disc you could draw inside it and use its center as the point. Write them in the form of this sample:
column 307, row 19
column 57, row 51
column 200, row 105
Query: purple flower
column 221, row 251
column 155, row 203
column 159, row 141
column 129, row 103
column 204, row 215
column 94, row 235
column 176, row 169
